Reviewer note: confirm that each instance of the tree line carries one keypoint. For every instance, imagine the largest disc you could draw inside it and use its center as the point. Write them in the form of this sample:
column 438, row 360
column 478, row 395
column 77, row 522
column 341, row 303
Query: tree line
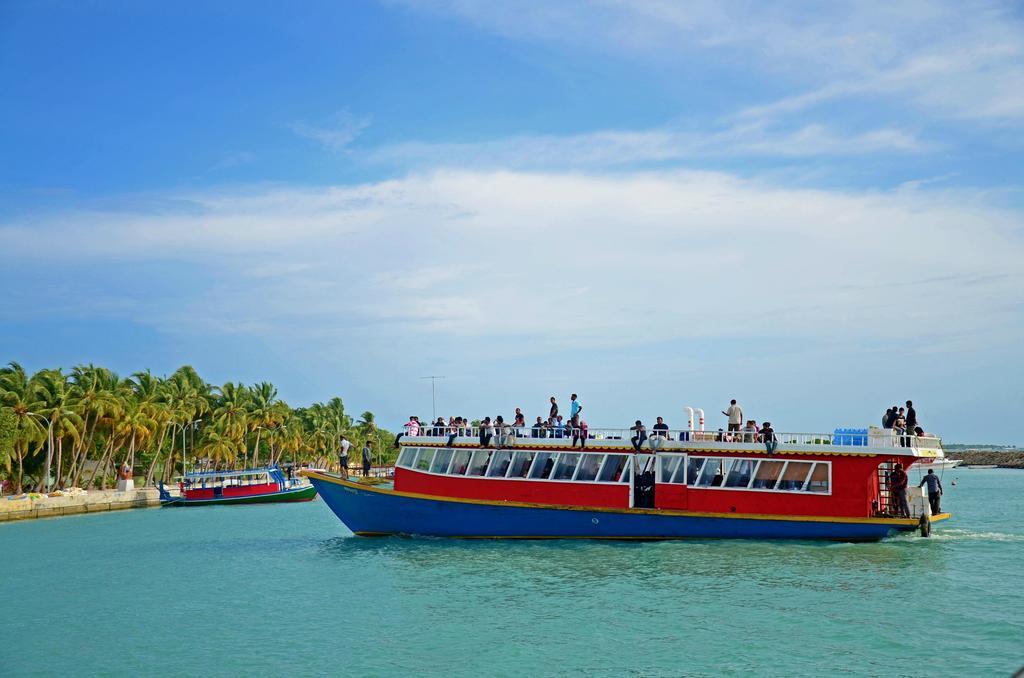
column 77, row 428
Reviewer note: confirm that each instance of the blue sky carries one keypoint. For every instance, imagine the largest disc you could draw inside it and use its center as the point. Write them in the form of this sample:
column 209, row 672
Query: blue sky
column 816, row 209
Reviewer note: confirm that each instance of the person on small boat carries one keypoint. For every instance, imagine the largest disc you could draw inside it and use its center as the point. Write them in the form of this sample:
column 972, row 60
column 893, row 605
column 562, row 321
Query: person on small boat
column 934, row 491
column 367, row 458
column 640, row 435
column 343, row 456
column 898, row 484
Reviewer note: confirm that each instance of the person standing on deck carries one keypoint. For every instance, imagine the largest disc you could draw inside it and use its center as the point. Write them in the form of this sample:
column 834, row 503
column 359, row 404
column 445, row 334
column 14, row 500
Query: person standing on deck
column 574, row 407
column 898, row 486
column 888, row 418
column 367, row 458
column 343, row 456
column 735, row 414
column 911, row 416
column 554, row 409
column 934, row 490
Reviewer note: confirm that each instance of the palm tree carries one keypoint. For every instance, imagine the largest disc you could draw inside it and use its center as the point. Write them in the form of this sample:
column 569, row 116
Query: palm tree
column 55, row 400
column 94, row 389
column 16, row 392
column 262, row 398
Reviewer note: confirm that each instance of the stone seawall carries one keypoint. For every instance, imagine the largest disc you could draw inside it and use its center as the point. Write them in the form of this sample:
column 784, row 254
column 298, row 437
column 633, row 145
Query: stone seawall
column 986, row 457
column 42, row 506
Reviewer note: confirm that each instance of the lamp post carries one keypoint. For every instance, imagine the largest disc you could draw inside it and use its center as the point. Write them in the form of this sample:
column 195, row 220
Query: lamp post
column 433, row 396
column 183, row 427
column 49, row 447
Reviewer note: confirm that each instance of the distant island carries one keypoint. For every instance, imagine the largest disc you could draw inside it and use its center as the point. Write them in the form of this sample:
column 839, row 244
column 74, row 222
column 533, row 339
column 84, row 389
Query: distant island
column 1003, row 456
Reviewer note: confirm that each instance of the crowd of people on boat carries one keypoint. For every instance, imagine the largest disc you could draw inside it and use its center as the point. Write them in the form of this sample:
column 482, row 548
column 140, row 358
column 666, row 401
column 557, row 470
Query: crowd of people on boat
column 903, row 422
column 500, row 432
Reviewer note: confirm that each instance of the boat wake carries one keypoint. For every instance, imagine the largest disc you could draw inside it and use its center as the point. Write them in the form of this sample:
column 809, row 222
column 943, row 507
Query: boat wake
column 971, row 535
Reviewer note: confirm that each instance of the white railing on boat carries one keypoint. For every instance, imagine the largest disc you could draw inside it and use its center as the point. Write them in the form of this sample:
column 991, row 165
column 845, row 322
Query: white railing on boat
column 873, row 438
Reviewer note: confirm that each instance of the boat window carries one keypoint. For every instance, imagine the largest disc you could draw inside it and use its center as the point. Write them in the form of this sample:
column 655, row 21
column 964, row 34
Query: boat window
column 712, row 473
column 766, row 475
column 478, row 464
column 499, row 463
column 795, row 475
column 819, row 478
column 441, row 460
column 565, row 466
column 670, row 467
column 693, row 468
column 740, row 472
column 589, row 466
column 613, row 465
column 542, row 465
column 460, row 461
column 407, row 456
column 627, row 474
column 423, row 461
column 520, row 465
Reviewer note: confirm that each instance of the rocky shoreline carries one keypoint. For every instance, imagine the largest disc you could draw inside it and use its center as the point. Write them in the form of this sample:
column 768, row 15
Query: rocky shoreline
column 1002, row 459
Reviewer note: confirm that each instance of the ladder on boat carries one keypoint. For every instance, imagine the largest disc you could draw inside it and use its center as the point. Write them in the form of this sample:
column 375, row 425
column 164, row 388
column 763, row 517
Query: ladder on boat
column 884, row 492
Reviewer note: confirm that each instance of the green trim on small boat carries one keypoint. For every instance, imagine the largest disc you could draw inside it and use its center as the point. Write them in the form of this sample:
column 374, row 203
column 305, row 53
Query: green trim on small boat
column 297, row 494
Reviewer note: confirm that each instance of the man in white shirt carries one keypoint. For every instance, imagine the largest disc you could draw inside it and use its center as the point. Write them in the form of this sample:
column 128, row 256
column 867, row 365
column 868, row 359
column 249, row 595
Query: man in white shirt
column 735, row 414
column 343, row 456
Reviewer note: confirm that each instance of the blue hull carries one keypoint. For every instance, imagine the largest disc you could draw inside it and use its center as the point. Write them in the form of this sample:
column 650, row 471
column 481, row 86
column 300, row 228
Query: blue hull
column 374, row 511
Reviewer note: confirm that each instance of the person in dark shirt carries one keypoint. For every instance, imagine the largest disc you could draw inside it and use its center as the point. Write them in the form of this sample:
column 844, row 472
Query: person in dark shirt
column 888, row 418
column 537, row 430
column 640, row 435
column 898, row 485
column 911, row 416
column 934, row 490
column 661, row 428
column 771, row 443
column 554, row 409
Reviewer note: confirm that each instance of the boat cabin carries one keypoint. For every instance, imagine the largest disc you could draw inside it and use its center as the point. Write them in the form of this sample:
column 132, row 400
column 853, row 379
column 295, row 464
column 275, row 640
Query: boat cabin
column 225, row 484
column 809, row 474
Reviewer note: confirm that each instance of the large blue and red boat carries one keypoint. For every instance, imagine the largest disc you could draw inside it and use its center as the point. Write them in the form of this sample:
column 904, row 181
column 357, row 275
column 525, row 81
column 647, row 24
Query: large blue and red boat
column 677, row 485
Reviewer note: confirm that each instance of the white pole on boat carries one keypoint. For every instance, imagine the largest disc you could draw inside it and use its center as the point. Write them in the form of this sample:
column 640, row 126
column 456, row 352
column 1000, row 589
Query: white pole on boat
column 689, row 418
column 700, row 418
column 433, row 395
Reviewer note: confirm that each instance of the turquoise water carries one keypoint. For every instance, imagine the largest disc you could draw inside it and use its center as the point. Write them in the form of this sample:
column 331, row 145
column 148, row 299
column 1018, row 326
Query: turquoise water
column 268, row 590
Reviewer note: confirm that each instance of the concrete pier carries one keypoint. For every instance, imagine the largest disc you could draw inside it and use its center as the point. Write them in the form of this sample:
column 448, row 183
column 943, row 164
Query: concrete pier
column 43, row 506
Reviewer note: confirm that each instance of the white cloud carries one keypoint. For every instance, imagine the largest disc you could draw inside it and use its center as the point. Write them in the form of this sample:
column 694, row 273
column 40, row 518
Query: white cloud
column 623, row 147
column 552, row 258
column 947, row 58
column 335, row 133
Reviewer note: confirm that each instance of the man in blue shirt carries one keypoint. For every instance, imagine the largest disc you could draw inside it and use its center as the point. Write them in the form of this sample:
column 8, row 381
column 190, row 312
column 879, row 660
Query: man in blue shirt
column 574, row 407
column 934, row 490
